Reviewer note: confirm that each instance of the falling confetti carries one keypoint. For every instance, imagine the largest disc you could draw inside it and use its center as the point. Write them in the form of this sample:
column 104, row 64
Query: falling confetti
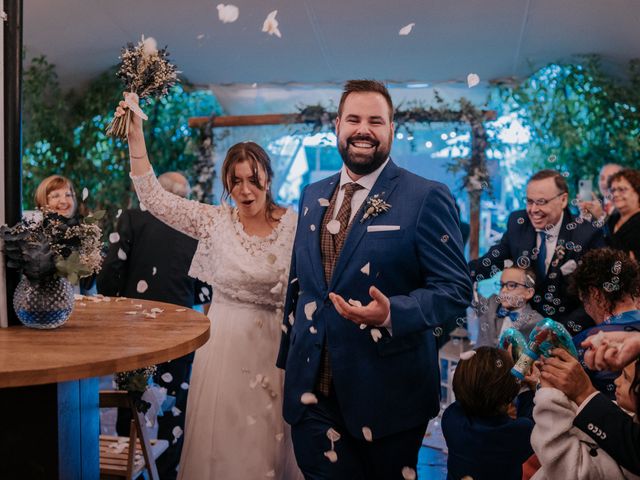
column 177, row 431
column 122, row 254
column 270, row 25
column 119, row 213
column 166, row 377
column 227, row 13
column 305, row 211
column 332, row 456
column 333, row 227
column 366, row 269
column 184, row 386
column 355, row 303
column 406, row 30
column 85, row 193
column 142, row 286
column 323, row 202
column 376, row 334
column 366, row 433
column 308, row 398
column 309, row 310
column 313, row 329
column 473, row 80
column 312, row 228
column 176, row 411
column 154, row 271
column 250, row 420
column 409, row 473
column 114, row 237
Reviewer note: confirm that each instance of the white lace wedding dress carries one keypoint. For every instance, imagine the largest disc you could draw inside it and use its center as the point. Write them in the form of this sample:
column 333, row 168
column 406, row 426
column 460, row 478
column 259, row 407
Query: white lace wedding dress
column 234, row 427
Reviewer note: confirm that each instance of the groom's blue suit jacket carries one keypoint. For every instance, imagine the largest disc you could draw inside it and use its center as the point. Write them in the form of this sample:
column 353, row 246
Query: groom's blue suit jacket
column 393, row 384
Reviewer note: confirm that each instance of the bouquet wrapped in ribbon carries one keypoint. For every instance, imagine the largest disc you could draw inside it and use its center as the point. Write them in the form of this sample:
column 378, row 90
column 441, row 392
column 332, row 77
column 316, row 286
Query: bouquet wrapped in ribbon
column 145, row 71
column 545, row 336
column 515, row 339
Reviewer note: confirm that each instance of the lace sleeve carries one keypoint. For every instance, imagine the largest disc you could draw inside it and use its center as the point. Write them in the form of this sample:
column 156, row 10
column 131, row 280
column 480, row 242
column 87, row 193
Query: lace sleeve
column 188, row 216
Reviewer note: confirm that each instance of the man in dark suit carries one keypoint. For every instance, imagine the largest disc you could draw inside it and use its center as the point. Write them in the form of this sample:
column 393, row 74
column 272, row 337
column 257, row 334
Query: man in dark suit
column 377, row 267
column 549, row 238
column 149, row 260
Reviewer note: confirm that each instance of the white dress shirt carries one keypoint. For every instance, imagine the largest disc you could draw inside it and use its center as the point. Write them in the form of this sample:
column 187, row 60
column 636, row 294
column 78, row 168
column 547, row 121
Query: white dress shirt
column 359, row 196
column 551, row 241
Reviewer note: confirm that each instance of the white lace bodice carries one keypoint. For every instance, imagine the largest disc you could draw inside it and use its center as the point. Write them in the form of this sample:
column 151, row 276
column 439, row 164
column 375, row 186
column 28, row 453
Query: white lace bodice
column 238, row 266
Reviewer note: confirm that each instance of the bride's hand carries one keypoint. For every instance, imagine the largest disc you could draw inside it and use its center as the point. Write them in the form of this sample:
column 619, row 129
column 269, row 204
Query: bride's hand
column 135, row 122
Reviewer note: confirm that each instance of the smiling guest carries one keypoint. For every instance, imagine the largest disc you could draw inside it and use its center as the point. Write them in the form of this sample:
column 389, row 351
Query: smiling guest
column 56, row 193
column 623, row 227
column 550, row 239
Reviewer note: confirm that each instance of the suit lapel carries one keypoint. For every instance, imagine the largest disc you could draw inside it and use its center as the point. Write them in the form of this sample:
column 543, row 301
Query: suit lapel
column 316, row 214
column 384, row 186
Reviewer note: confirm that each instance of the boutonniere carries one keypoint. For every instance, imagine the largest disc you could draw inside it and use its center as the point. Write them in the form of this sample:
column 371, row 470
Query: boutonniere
column 374, row 207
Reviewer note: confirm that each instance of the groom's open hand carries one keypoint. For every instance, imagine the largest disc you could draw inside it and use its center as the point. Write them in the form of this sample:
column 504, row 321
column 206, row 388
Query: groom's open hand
column 375, row 313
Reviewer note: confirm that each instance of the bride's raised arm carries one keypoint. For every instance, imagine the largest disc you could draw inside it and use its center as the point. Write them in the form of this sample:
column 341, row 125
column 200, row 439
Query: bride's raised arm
column 188, row 216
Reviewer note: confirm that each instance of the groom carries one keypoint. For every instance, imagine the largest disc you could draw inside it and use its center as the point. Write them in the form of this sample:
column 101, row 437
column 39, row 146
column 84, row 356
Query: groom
column 377, row 265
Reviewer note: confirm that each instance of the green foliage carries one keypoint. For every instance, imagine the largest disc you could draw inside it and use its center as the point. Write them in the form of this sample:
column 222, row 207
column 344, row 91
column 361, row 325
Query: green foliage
column 64, row 134
column 579, row 117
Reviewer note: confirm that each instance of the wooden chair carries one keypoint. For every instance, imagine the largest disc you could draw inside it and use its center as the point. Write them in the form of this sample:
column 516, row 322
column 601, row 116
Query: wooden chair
column 117, row 458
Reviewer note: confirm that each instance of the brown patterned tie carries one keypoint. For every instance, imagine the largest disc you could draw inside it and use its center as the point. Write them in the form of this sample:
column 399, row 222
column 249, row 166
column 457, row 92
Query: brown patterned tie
column 330, row 246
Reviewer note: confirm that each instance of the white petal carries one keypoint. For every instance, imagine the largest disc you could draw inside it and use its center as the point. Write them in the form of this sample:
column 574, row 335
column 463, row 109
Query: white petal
column 184, row 386
column 227, row 13
column 406, row 30
column 131, row 312
column 309, row 310
column 323, row 202
column 143, row 207
column 277, row 289
column 250, row 420
column 271, row 474
column 332, row 456
column 292, row 319
column 122, row 254
column 305, row 211
column 114, row 237
column 508, row 263
column 376, row 334
column 270, row 24
column 166, row 377
column 333, row 227
column 181, row 309
column 312, row 228
column 409, row 473
column 308, row 398
column 279, row 436
column 284, row 328
column 154, row 271
column 467, row 355
column 200, row 36
column 366, row 433
column 366, row 269
column 176, row 411
column 156, row 310
column 119, row 213
column 473, row 80
column 313, row 329
column 355, row 303
column 142, row 286
column 85, row 193
column 177, row 431
column 333, row 435
column 363, row 326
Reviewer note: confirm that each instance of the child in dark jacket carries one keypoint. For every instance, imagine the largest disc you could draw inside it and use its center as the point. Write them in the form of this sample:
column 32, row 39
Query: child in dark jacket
column 484, row 442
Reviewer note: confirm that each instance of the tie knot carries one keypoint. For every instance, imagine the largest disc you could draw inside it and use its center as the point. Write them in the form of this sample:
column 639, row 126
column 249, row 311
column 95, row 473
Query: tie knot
column 350, row 188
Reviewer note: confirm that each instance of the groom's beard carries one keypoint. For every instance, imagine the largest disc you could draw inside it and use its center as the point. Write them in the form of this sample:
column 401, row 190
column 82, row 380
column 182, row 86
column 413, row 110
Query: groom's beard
column 363, row 163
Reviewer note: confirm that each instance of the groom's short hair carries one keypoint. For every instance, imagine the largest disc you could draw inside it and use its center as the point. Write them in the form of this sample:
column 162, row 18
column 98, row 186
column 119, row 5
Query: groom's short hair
column 363, row 86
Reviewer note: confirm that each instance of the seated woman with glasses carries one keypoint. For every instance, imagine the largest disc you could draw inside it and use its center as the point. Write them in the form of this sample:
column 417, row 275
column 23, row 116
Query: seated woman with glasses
column 510, row 308
column 623, row 226
column 608, row 283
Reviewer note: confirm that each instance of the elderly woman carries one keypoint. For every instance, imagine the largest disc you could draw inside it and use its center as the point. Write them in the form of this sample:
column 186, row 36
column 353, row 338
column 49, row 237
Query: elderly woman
column 56, row 193
column 608, row 283
column 624, row 223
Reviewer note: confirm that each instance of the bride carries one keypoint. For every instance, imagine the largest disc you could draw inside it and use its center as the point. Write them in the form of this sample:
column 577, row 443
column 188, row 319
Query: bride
column 234, row 426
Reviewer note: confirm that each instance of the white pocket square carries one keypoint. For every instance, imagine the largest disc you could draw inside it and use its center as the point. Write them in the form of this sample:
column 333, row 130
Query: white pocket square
column 568, row 267
column 382, row 228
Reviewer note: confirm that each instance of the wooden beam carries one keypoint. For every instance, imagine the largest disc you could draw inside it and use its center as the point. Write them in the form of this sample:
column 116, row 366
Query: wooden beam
column 292, row 118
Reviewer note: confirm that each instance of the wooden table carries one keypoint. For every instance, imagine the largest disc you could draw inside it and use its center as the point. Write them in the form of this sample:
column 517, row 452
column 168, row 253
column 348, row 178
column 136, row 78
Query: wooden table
column 48, row 384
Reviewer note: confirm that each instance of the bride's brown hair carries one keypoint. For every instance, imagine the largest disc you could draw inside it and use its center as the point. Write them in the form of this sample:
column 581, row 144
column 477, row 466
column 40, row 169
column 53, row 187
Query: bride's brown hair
column 256, row 156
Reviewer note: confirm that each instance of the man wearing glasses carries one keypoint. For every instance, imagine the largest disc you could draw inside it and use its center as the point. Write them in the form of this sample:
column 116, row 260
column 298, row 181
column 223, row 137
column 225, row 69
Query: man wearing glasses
column 550, row 239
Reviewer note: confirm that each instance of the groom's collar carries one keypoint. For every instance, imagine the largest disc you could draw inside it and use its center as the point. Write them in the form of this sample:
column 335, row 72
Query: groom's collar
column 367, row 181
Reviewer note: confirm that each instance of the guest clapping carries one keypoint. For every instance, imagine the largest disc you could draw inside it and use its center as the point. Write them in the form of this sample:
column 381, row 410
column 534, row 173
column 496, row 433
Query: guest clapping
column 566, row 395
column 483, row 441
column 600, row 208
column 623, row 226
